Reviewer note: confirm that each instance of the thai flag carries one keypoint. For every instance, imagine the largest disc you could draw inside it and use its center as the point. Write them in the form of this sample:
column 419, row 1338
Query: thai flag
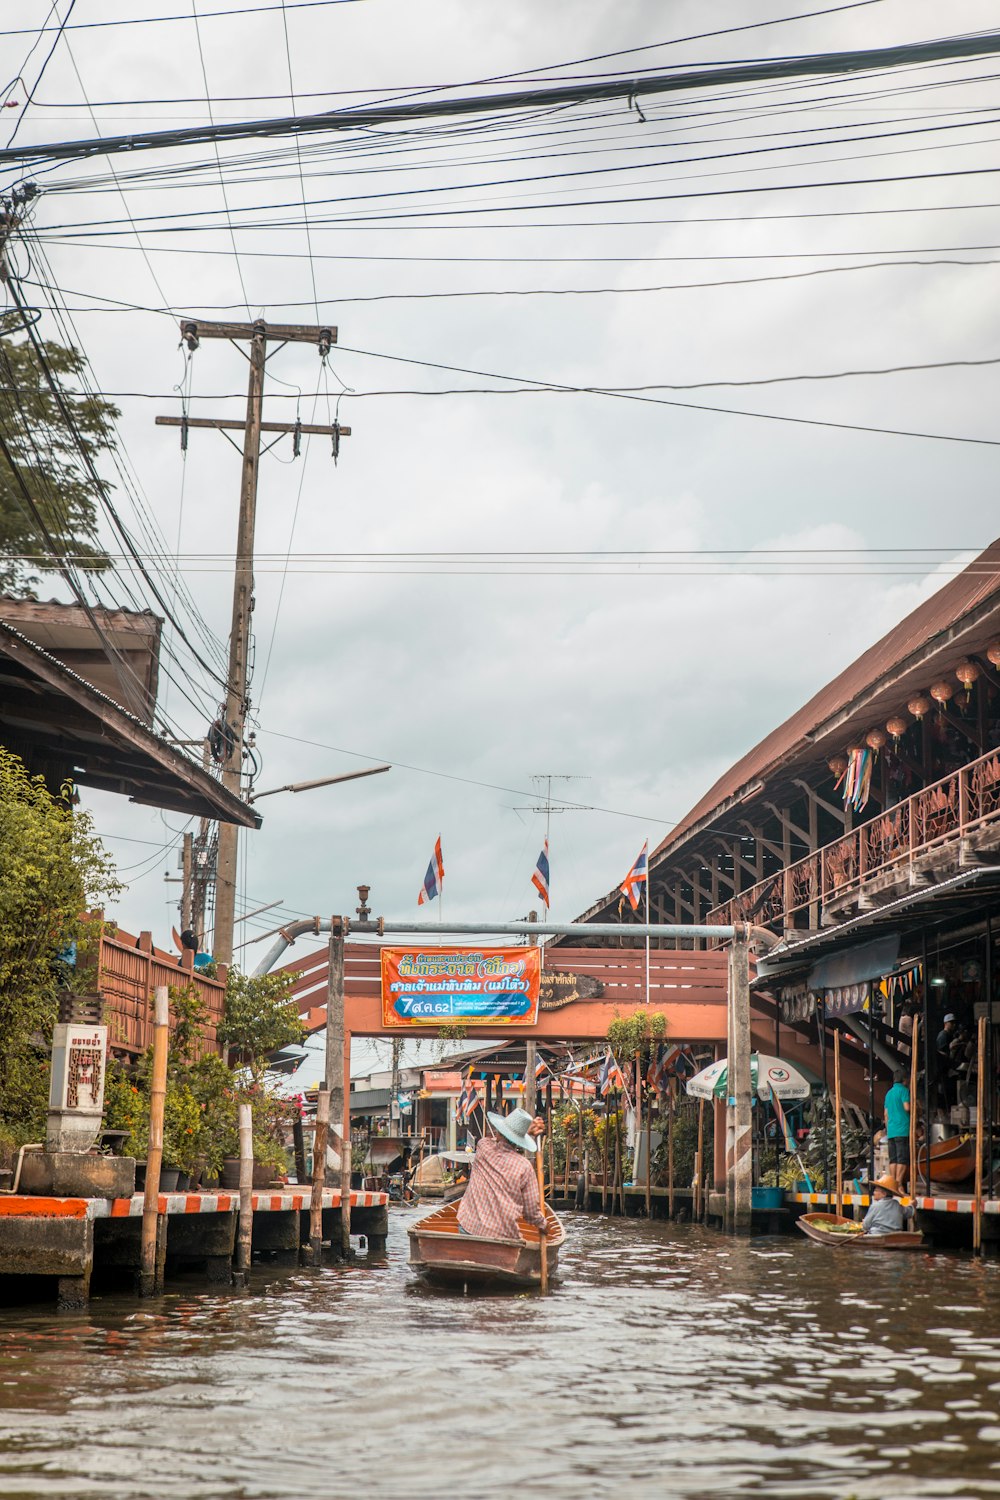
column 434, row 879
column 541, row 1068
column 540, row 879
column 635, row 878
column 610, row 1076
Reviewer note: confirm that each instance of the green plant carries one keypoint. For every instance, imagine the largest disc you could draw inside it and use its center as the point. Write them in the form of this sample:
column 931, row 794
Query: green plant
column 181, row 1128
column 628, row 1035
column 189, row 1017
column 260, row 1018
column 52, row 868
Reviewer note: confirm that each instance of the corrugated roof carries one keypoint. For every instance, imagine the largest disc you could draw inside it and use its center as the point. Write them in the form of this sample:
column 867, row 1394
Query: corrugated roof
column 974, row 587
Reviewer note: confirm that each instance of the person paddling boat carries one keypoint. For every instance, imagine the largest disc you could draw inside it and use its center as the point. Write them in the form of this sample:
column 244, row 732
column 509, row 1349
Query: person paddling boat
column 503, row 1187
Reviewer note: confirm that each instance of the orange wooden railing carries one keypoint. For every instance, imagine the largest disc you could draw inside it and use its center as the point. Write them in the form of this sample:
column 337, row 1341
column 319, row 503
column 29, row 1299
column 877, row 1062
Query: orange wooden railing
column 942, row 813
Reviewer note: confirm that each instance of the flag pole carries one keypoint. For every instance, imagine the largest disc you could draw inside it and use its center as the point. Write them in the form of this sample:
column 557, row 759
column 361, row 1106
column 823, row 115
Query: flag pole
column 647, row 920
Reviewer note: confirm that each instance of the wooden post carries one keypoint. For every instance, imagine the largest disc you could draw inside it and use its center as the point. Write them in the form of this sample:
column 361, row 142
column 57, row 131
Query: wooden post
column 246, row 1196
column 604, row 1158
column 569, row 1152
column 740, row 1167
column 617, row 1186
column 649, row 1157
column 299, row 1148
column 543, row 1242
column 337, row 1066
column 320, row 1139
column 550, row 1135
column 914, row 1044
column 977, row 1220
column 700, row 1161
column 836, row 1096
column 670, row 1148
column 149, row 1281
column 530, row 1081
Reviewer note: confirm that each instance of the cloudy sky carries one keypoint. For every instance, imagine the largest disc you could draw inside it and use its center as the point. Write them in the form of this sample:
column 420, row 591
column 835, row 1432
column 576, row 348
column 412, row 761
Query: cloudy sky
column 644, row 680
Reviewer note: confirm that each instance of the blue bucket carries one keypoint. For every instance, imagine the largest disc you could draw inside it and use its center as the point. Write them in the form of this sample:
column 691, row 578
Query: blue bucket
column 767, row 1197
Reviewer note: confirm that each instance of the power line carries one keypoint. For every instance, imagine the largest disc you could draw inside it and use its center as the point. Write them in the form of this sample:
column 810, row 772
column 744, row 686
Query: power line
column 627, row 88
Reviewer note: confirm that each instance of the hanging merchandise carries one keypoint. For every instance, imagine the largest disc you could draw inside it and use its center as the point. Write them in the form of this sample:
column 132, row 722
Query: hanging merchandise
column 858, row 777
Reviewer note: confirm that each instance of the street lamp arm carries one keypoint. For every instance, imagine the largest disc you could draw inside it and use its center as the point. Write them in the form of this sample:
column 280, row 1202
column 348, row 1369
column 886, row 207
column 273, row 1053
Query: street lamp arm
column 307, row 786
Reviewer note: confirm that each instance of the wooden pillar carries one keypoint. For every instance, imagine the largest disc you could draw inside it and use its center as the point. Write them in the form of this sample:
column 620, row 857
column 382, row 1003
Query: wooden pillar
column 149, row 1278
column 320, row 1138
column 740, row 1164
column 245, row 1233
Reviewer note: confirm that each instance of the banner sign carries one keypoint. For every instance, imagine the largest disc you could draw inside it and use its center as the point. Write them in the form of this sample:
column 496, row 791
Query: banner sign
column 460, row 986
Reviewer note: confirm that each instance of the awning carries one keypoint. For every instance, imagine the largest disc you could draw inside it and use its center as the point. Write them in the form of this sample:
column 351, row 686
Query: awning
column 855, row 965
column 64, row 727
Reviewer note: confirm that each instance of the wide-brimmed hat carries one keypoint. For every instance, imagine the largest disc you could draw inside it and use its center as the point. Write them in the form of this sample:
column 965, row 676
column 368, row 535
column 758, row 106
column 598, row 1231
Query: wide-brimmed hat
column 514, row 1128
column 889, row 1184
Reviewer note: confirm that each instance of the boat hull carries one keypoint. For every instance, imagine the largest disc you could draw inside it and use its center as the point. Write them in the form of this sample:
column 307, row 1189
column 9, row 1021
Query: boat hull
column 952, row 1160
column 447, row 1258
column 813, row 1226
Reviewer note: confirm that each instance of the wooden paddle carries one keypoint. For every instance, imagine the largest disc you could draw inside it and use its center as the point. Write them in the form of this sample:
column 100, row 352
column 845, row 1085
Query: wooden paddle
column 542, row 1233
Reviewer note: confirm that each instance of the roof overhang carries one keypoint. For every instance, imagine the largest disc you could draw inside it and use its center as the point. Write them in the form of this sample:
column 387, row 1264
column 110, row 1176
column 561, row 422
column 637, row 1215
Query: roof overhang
column 51, row 716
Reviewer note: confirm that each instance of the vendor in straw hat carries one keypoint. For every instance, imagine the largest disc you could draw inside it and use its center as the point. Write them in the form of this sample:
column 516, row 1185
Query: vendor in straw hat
column 503, row 1187
column 886, row 1213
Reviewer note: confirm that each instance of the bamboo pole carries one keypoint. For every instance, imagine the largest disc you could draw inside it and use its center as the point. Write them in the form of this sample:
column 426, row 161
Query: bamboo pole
column 670, row 1148
column 243, row 1238
column 319, row 1176
column 149, row 1277
column 616, row 1185
column 550, row 1133
column 581, row 1159
column 649, row 1157
column 914, row 1043
column 837, row 1130
column 977, row 1220
column 543, row 1242
column 604, row 1158
column 700, row 1161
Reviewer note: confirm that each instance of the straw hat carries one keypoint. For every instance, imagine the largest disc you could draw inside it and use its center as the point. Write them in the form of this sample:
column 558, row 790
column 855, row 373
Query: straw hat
column 889, row 1184
column 514, row 1128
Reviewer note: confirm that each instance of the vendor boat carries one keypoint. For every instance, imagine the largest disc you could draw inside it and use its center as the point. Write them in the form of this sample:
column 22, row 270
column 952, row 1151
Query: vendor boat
column 952, row 1160
column 836, row 1232
column 448, row 1258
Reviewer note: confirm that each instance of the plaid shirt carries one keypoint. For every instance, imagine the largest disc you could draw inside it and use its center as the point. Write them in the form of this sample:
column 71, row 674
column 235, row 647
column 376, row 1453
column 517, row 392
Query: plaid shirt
column 502, row 1189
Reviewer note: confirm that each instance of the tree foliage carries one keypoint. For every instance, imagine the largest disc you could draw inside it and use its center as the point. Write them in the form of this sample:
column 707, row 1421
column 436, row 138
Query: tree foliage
column 52, row 869
column 260, row 1017
column 51, row 464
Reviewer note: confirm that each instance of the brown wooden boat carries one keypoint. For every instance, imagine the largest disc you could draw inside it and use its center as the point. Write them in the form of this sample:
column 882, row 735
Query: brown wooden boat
column 823, row 1229
column 444, row 1256
column 952, row 1160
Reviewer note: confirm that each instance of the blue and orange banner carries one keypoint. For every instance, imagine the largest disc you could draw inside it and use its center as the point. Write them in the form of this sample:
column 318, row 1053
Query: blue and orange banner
column 464, row 986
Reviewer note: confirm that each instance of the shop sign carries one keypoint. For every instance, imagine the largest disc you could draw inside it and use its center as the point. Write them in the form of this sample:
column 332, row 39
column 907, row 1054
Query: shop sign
column 460, row 986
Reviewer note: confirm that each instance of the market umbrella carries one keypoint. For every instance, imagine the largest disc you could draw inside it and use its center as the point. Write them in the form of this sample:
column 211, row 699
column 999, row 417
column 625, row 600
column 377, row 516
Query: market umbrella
column 768, row 1075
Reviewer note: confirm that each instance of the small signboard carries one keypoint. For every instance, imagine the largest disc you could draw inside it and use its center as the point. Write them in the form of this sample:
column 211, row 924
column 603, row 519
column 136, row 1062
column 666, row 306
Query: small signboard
column 460, row 986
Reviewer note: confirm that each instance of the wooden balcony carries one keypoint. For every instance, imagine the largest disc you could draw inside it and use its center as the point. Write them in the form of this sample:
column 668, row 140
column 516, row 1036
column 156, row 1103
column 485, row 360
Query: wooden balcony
column 129, row 969
column 950, row 825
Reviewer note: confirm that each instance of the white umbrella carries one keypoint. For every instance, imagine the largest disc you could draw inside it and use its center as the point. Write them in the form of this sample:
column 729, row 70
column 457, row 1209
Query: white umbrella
column 768, row 1075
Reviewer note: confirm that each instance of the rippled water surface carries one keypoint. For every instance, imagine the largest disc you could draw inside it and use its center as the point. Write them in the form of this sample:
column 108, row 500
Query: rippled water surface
column 668, row 1361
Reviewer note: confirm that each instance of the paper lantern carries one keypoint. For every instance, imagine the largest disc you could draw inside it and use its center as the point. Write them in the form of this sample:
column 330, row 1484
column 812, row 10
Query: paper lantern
column 838, row 765
column 897, row 727
column 942, row 692
column 919, row 706
column 993, row 653
column 967, row 672
column 876, row 739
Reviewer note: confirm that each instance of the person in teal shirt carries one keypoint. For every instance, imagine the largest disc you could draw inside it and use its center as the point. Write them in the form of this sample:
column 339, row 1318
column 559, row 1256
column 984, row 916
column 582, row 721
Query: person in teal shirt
column 897, row 1129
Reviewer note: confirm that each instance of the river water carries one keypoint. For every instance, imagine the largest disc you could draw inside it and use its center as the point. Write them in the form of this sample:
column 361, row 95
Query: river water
column 668, row 1361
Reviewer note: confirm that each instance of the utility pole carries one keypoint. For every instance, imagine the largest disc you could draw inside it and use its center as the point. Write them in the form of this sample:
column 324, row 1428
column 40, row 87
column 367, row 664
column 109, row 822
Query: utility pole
column 230, row 737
